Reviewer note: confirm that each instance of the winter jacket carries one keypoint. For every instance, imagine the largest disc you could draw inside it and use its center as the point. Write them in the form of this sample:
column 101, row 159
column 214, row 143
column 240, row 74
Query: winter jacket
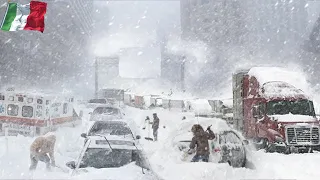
column 156, row 122
column 42, row 146
column 200, row 140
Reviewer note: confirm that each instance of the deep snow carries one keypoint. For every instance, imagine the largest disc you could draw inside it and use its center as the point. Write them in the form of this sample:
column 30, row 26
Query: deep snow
column 163, row 157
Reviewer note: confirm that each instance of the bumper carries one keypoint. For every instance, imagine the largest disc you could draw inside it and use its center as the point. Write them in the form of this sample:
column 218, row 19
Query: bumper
column 288, row 149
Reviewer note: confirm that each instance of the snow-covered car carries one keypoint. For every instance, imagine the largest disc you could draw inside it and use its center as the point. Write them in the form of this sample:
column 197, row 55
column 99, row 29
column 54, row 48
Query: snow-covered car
column 106, row 112
column 114, row 128
column 227, row 147
column 111, row 159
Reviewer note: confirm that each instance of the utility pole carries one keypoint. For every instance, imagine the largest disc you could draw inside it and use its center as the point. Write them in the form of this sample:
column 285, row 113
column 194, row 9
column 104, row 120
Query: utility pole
column 96, row 78
column 182, row 71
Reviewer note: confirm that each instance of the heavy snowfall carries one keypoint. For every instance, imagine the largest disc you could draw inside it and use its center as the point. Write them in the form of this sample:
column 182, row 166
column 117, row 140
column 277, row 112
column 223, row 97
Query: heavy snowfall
column 122, row 87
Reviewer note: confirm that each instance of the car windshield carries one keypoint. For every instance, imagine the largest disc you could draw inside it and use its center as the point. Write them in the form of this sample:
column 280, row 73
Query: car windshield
column 105, row 158
column 299, row 107
column 106, row 110
column 110, row 128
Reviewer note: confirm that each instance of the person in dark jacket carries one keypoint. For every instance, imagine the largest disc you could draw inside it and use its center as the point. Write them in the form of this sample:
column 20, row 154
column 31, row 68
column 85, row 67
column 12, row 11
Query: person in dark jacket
column 155, row 126
column 200, row 142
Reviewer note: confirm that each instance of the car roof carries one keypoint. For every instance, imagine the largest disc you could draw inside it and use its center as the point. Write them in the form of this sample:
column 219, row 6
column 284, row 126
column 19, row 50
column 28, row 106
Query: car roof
column 111, row 122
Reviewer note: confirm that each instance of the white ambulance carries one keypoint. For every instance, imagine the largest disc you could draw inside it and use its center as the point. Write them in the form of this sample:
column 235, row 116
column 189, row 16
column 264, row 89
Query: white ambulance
column 34, row 113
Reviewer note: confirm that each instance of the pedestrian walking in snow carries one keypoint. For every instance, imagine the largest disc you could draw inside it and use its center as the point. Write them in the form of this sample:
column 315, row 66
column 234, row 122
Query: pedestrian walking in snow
column 39, row 150
column 155, row 126
column 200, row 142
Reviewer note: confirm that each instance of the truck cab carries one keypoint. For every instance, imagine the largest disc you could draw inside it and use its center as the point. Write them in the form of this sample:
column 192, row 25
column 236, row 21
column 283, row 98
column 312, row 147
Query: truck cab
column 272, row 112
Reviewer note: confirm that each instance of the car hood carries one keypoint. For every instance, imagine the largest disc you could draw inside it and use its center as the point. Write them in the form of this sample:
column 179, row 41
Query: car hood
column 128, row 172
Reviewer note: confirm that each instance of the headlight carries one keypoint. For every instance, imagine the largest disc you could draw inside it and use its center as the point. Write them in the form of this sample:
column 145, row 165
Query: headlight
column 279, row 139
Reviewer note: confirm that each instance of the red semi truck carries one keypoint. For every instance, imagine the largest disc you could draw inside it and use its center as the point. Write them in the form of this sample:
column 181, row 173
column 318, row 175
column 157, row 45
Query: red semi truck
column 272, row 112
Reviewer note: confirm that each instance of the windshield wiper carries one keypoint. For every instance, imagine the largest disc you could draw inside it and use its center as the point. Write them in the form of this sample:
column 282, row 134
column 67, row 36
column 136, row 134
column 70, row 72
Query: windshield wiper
column 105, row 139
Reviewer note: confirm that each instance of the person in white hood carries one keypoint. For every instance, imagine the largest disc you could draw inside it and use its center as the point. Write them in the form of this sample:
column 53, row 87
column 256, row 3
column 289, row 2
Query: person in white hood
column 39, row 150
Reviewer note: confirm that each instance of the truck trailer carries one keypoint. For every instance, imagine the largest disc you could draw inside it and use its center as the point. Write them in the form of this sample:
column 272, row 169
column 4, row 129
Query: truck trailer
column 273, row 113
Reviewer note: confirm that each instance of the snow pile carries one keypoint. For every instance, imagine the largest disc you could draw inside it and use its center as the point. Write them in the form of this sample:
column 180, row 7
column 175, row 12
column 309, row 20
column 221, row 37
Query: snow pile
column 201, row 106
column 293, row 118
column 268, row 74
column 281, row 89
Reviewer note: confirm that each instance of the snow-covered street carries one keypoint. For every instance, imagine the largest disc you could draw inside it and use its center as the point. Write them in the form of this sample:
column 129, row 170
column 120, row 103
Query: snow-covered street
column 163, row 157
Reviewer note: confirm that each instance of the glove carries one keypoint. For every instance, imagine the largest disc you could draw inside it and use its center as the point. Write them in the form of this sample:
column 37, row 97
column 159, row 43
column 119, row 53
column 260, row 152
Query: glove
column 208, row 129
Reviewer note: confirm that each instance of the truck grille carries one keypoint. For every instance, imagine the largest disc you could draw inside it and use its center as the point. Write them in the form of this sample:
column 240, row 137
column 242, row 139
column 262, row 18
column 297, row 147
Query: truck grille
column 302, row 135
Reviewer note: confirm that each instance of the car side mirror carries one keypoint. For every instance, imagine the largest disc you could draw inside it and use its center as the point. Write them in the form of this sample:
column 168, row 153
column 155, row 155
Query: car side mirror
column 138, row 137
column 84, row 135
column 71, row 164
column 245, row 142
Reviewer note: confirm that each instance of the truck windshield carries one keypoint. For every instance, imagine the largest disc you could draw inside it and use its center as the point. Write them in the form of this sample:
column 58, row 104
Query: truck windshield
column 299, row 107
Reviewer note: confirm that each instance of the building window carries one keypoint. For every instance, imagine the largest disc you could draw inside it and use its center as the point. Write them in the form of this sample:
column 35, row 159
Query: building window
column 13, row 110
column 2, row 97
column 39, row 111
column 39, row 101
column 27, row 111
column 65, row 108
column 20, row 99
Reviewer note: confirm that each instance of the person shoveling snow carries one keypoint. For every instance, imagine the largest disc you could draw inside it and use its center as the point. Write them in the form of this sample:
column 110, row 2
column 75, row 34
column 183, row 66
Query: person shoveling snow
column 39, row 150
column 200, row 142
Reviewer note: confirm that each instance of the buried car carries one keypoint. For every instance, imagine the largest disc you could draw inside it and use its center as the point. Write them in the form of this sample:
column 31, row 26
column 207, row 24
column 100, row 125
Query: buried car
column 106, row 112
column 227, row 147
column 114, row 128
column 111, row 159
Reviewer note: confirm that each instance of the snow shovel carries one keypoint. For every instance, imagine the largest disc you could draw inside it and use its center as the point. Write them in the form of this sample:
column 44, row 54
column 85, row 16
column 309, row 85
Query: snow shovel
column 65, row 170
column 149, row 138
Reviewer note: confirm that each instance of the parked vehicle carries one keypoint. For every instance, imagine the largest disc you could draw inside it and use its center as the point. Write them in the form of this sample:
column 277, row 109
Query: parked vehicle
column 35, row 113
column 106, row 112
column 115, row 159
column 227, row 147
column 272, row 112
column 114, row 128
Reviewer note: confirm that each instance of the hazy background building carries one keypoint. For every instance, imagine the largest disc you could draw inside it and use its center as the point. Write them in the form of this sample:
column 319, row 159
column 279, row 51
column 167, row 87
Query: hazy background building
column 55, row 57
